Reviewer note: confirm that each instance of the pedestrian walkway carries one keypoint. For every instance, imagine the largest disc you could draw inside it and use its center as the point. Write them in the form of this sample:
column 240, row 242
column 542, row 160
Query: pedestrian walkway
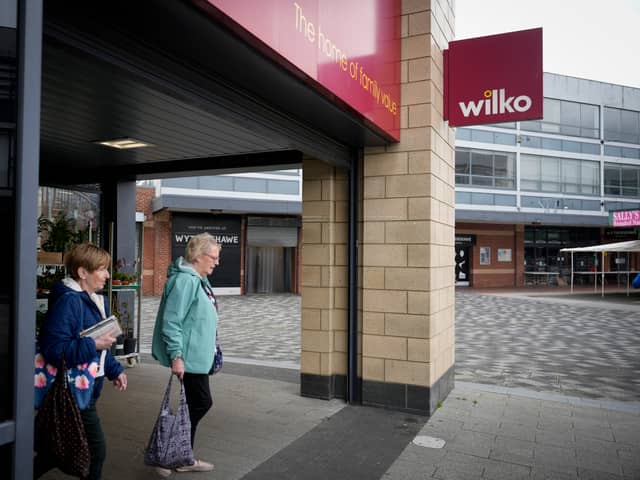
column 579, row 345
column 261, row 429
column 262, row 328
column 545, row 389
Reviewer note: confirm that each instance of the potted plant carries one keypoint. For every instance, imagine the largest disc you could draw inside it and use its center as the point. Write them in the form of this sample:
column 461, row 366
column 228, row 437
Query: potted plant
column 127, row 340
column 57, row 235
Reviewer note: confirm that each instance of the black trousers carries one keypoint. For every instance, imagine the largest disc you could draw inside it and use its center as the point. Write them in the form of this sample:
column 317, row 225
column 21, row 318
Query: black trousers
column 198, row 393
column 97, row 447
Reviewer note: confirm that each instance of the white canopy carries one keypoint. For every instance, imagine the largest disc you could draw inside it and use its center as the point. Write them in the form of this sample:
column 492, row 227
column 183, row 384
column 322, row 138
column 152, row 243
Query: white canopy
column 630, row 246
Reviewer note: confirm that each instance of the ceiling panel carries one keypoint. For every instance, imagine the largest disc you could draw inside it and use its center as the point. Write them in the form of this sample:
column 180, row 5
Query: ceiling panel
column 183, row 83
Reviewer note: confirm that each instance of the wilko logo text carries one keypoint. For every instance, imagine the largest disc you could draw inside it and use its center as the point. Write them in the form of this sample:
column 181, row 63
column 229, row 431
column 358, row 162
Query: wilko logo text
column 495, row 102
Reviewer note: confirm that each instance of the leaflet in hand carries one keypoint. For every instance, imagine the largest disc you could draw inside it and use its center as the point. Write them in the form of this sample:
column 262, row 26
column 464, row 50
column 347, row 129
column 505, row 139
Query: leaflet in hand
column 109, row 325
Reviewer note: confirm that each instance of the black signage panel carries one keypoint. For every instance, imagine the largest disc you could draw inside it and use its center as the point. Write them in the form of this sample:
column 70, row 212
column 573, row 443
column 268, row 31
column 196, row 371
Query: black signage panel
column 226, row 230
column 465, row 239
column 621, row 233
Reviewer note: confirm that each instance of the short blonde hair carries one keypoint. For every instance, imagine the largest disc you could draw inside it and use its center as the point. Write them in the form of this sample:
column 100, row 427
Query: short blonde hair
column 86, row 255
column 200, row 245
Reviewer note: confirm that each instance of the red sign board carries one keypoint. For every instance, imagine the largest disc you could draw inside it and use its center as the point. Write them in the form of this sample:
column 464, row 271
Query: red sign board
column 494, row 79
column 625, row 218
column 351, row 49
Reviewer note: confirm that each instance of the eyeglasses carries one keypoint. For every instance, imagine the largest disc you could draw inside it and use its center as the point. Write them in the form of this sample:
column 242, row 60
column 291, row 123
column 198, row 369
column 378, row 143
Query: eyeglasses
column 215, row 259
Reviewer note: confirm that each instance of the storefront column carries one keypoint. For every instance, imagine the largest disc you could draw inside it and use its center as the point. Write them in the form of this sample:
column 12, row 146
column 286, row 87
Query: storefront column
column 518, row 249
column 323, row 363
column 408, row 293
column 162, row 250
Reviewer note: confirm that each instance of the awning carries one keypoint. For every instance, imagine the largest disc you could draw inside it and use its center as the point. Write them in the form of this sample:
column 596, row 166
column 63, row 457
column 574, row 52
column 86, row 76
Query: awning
column 628, row 247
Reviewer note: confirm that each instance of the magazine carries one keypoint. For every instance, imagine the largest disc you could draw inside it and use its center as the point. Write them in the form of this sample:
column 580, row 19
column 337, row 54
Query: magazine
column 109, row 325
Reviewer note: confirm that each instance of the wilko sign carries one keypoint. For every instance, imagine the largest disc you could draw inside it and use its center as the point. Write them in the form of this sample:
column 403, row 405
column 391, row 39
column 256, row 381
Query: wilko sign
column 625, row 218
column 494, row 79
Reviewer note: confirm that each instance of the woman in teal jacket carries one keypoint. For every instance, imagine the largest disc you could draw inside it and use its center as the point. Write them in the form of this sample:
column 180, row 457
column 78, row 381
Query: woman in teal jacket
column 184, row 336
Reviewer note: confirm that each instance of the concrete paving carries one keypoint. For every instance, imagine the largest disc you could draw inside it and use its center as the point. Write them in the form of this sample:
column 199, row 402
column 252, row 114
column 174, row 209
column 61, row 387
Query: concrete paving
column 546, row 388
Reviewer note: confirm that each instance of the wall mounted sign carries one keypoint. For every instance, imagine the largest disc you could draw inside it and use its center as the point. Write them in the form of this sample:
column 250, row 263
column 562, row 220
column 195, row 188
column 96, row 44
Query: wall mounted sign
column 485, row 255
column 504, row 254
column 494, row 79
column 624, row 218
column 350, row 50
column 465, row 239
column 226, row 230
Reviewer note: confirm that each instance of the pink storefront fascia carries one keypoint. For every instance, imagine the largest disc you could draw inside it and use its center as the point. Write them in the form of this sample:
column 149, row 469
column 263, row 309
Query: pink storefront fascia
column 348, row 51
column 625, row 218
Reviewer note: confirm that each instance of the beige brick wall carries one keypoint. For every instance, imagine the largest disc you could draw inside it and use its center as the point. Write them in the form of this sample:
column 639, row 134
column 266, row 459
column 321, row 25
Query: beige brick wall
column 406, row 255
column 324, row 269
column 408, row 218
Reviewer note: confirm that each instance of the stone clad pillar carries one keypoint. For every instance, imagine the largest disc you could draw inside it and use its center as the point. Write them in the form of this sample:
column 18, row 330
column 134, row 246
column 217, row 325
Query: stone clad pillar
column 323, row 363
column 408, row 217
column 406, row 253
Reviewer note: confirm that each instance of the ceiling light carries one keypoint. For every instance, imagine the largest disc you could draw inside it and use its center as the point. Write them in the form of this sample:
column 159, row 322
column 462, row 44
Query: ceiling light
column 124, row 143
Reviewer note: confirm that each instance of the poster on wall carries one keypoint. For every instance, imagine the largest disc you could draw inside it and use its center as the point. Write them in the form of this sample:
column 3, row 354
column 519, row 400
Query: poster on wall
column 485, row 255
column 504, row 254
column 226, row 230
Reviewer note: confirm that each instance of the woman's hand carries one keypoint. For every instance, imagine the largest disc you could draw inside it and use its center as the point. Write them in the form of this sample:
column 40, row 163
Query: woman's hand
column 104, row 342
column 177, row 367
column 120, row 383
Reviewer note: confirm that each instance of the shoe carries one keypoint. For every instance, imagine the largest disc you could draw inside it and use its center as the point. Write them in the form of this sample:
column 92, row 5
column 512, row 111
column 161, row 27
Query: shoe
column 199, row 466
column 163, row 472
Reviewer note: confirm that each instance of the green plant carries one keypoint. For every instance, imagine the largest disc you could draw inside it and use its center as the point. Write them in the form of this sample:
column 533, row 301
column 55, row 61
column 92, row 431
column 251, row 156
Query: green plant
column 58, row 233
column 48, row 277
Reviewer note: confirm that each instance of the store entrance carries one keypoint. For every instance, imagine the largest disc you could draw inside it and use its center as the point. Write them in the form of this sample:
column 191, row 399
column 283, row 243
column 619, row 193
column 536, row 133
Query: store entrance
column 463, row 265
column 269, row 269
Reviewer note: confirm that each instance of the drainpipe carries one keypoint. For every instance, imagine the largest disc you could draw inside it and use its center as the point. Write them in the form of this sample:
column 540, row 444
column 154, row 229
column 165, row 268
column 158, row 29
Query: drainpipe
column 353, row 386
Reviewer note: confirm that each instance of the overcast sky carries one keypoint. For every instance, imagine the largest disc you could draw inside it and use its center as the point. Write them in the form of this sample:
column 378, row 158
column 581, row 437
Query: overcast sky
column 594, row 39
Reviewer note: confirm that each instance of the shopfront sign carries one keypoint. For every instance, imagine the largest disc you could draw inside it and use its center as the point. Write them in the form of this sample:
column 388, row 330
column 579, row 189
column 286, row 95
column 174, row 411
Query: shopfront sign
column 349, row 50
column 465, row 240
column 625, row 218
column 225, row 229
column 494, row 79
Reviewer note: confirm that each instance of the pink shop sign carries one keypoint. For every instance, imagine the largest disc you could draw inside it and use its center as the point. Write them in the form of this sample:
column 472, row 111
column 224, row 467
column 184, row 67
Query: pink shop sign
column 625, row 218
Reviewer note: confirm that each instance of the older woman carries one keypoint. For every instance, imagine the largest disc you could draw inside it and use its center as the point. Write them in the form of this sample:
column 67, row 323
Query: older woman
column 185, row 331
column 75, row 305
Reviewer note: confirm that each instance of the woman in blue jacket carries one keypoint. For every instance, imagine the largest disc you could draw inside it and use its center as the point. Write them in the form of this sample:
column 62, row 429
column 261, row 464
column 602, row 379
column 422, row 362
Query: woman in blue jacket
column 184, row 336
column 75, row 305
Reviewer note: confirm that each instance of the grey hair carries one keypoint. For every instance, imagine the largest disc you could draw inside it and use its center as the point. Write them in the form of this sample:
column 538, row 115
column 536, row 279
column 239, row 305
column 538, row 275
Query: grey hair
column 200, row 245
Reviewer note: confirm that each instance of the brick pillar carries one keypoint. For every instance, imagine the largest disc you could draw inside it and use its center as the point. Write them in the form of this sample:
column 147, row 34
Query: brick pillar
column 408, row 293
column 323, row 364
column 162, row 249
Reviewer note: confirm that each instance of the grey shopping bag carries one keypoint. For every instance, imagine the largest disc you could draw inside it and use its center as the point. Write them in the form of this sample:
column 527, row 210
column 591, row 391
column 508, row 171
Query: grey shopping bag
column 170, row 442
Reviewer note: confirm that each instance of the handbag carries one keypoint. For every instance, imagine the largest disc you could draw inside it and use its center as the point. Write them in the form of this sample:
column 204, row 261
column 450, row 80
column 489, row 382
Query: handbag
column 81, row 379
column 217, row 361
column 170, row 442
column 59, row 432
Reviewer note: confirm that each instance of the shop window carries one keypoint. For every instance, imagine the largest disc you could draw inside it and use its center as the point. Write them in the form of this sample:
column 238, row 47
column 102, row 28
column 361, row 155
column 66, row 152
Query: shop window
column 621, row 180
column 621, row 125
column 485, row 168
column 567, row 118
column 552, row 174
